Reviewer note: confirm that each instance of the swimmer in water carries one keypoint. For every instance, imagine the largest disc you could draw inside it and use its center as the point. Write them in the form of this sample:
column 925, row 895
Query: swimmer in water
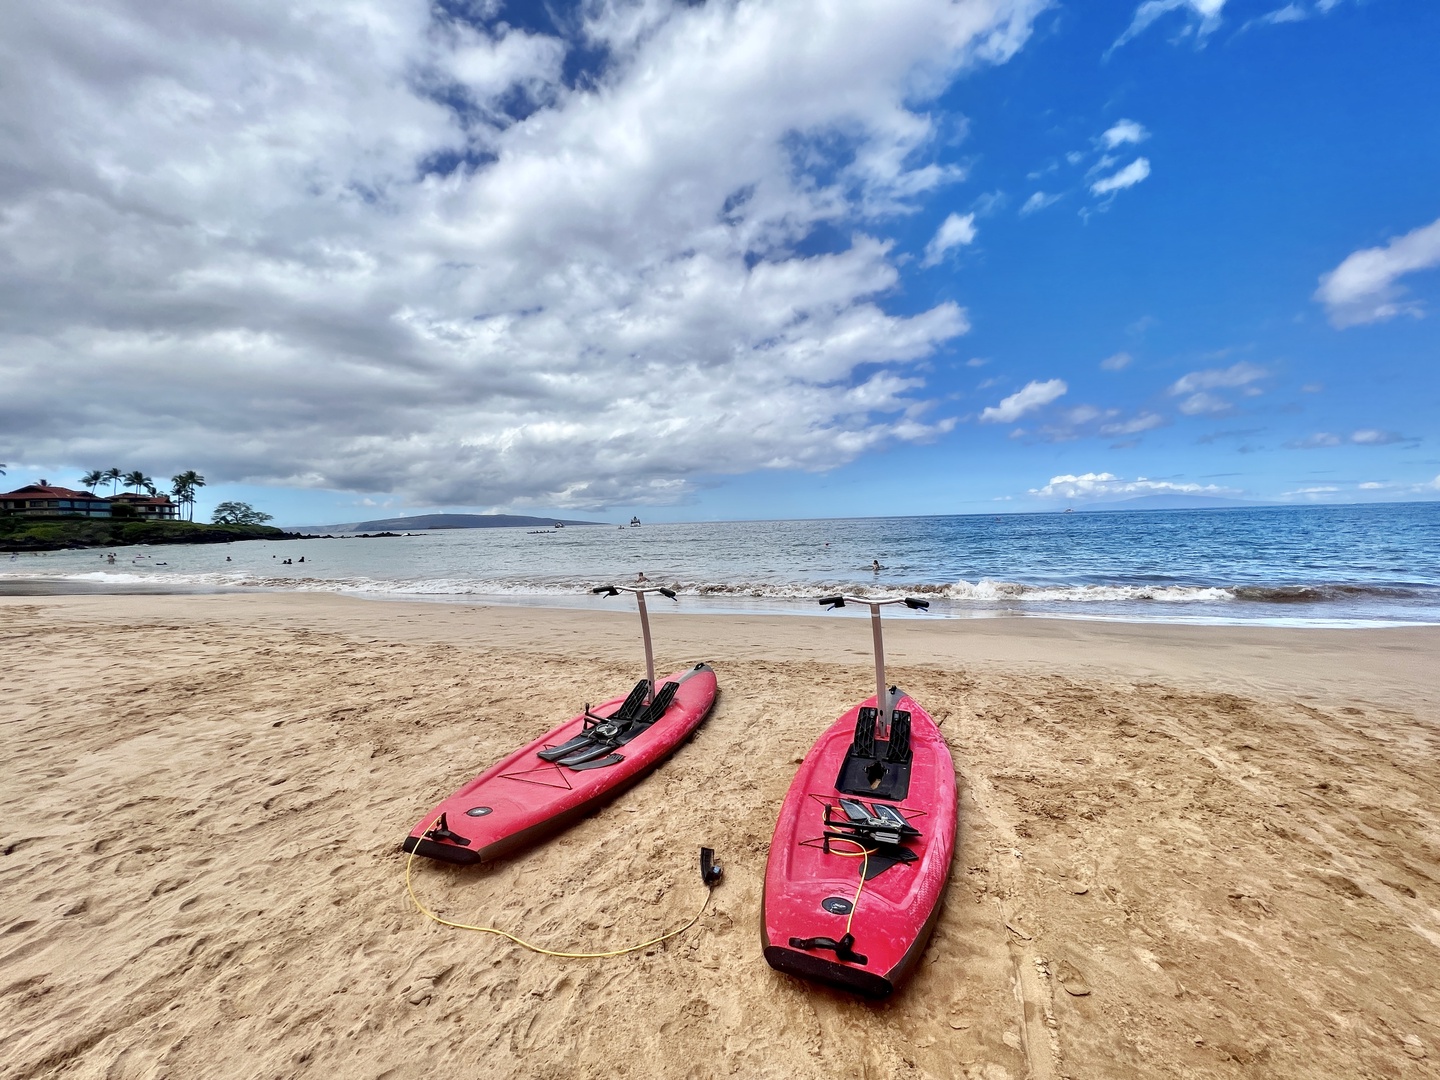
column 875, row 566
column 641, row 576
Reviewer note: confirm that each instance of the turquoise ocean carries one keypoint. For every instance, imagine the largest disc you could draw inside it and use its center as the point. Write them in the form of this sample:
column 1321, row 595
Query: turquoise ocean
column 1311, row 565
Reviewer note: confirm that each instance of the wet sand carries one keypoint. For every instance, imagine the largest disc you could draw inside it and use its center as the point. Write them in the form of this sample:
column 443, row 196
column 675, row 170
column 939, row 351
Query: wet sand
column 1184, row 851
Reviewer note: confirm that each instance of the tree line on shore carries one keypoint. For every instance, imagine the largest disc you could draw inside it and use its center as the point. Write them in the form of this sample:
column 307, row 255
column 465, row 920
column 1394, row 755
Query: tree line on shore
column 183, row 487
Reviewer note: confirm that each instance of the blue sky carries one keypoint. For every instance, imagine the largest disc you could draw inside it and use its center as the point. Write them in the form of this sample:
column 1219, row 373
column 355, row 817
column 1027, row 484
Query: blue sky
column 724, row 260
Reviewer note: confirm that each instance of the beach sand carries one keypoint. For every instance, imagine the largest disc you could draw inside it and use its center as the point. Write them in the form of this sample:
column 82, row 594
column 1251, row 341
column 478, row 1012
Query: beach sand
column 1184, row 851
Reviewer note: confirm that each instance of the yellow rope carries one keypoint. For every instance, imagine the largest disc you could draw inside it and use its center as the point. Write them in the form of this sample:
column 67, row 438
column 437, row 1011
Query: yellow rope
column 864, row 853
column 410, row 888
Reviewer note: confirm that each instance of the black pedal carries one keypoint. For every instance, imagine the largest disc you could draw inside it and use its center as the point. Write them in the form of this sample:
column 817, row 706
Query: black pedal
column 899, row 749
column 864, row 744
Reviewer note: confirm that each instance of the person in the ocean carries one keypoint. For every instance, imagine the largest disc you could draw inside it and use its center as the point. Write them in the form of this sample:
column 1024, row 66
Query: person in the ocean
column 641, row 576
column 875, row 566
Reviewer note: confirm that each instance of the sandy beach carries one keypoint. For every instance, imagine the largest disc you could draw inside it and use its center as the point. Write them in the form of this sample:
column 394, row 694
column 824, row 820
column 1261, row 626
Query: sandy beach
column 1185, row 851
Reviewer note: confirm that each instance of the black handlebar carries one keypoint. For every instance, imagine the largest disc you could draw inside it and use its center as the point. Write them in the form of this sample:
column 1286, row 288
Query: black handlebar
column 668, row 592
column 833, row 601
column 608, row 590
column 917, row 605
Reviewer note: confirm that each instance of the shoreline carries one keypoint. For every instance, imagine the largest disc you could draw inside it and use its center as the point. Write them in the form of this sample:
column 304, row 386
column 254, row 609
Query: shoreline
column 1353, row 663
column 1183, row 850
column 1157, row 614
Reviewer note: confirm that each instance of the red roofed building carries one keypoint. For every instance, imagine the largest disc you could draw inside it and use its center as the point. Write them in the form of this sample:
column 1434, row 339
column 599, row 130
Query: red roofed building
column 46, row 500
column 149, row 507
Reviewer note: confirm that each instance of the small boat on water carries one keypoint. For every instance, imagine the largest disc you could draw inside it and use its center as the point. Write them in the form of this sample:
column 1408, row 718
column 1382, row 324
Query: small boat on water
column 634, row 522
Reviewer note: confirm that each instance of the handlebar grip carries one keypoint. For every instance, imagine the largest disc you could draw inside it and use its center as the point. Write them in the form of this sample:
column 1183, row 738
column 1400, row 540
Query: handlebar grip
column 832, row 601
column 668, row 592
column 608, row 590
column 913, row 604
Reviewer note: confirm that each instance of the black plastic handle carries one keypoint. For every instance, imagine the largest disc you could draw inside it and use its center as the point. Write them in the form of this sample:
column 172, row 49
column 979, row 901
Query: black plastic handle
column 608, row 590
column 832, row 601
column 913, row 604
column 668, row 592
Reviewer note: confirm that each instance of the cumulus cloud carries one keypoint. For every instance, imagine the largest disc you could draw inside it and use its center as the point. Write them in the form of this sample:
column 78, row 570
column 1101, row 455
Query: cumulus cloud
column 1127, row 177
column 1032, row 396
column 1362, row 289
column 955, row 231
column 382, row 247
column 1101, row 485
column 1125, row 131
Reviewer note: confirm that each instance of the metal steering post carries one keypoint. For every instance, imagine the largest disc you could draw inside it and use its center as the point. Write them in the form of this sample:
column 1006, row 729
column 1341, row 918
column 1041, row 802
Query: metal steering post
column 882, row 705
column 616, row 590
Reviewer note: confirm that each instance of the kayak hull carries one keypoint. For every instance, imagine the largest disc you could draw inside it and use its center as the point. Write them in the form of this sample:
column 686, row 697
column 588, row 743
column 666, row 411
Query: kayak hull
column 809, row 902
column 523, row 798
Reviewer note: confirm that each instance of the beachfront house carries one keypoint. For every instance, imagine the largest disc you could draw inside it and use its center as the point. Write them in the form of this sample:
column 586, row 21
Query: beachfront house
column 45, row 500
column 148, row 507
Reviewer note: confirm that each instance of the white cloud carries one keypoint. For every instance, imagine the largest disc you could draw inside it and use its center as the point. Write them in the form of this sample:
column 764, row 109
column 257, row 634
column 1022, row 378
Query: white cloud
column 1362, row 288
column 1134, row 426
column 1032, row 396
column 377, row 247
column 1039, row 201
column 1204, row 17
column 1241, row 374
column 1101, row 485
column 1127, row 177
column 1319, row 440
column 1118, row 362
column 1319, row 489
column 1372, row 437
column 1288, row 13
column 1125, row 131
column 1204, row 404
column 955, row 231
column 1196, row 387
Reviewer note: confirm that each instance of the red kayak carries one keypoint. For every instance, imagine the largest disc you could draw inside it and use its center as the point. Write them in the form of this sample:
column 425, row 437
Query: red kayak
column 570, row 771
column 873, row 799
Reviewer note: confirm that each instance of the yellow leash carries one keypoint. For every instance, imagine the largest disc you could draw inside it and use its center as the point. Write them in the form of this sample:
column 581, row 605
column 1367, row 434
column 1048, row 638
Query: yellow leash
column 410, row 888
column 864, row 853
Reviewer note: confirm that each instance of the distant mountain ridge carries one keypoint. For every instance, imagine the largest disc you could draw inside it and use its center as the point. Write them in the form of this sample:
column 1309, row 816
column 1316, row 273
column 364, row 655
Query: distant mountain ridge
column 424, row 522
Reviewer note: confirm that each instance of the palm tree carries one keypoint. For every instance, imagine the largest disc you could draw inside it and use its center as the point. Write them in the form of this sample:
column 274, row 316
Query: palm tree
column 93, row 479
column 114, row 476
column 137, row 480
column 184, row 487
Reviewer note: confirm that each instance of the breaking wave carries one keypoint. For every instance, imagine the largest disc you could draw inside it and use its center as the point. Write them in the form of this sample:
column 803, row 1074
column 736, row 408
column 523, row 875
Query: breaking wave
column 982, row 593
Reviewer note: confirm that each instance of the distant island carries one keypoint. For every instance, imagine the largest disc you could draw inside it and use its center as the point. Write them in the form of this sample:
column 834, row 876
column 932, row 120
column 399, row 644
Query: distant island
column 425, row 522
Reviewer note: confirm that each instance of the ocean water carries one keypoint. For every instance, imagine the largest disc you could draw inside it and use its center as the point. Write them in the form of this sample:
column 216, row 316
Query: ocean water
column 1319, row 566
